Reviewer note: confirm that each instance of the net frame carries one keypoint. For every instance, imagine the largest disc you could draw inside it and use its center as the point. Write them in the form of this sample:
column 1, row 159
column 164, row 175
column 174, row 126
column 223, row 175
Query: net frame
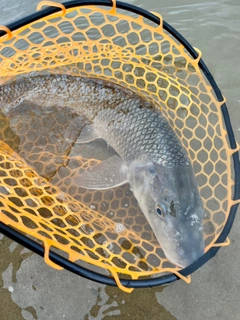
column 34, row 246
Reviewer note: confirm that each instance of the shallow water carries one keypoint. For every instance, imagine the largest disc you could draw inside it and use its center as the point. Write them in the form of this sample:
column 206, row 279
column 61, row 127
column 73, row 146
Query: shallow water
column 213, row 27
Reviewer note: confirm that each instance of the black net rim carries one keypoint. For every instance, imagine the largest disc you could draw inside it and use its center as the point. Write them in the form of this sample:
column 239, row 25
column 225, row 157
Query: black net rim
column 92, row 275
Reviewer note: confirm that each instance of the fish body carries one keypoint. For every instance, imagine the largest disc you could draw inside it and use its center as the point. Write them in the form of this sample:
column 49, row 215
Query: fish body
column 149, row 157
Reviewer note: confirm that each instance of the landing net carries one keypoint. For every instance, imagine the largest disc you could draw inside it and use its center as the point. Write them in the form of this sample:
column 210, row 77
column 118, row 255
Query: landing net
column 106, row 230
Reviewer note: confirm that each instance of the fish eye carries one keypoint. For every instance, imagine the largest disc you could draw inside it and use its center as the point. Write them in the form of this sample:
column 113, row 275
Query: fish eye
column 160, row 210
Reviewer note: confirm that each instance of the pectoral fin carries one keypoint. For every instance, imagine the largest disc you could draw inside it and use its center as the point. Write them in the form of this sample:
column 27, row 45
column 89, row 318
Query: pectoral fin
column 110, row 173
column 87, row 134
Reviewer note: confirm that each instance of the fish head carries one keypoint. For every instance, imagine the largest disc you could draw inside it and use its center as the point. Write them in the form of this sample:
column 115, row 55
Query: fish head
column 170, row 200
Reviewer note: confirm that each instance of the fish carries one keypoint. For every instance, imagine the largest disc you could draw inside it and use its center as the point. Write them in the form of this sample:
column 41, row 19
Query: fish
column 149, row 155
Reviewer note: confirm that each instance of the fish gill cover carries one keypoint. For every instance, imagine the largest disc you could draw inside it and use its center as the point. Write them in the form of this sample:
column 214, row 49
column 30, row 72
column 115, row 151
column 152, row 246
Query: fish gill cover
column 40, row 159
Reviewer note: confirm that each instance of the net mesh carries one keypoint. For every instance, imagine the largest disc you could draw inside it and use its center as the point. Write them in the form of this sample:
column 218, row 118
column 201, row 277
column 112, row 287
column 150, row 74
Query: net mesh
column 38, row 196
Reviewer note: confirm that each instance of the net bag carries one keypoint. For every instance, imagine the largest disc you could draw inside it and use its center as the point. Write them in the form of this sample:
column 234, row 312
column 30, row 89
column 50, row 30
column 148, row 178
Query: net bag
column 102, row 235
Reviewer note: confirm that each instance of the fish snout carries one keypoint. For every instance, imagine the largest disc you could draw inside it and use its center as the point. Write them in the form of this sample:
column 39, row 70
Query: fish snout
column 190, row 253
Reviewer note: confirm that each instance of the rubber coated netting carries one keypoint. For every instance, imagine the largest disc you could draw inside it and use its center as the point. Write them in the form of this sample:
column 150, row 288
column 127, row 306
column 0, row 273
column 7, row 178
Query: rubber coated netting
column 105, row 229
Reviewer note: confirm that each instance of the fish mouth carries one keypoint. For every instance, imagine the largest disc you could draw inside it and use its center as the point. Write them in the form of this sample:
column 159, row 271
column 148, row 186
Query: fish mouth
column 188, row 257
column 186, row 263
column 185, row 255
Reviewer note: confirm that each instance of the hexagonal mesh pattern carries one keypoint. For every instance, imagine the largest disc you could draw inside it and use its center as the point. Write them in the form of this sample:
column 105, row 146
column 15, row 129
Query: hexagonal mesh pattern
column 128, row 50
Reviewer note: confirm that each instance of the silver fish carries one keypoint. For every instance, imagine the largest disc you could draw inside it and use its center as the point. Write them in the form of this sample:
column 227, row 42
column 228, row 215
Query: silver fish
column 149, row 156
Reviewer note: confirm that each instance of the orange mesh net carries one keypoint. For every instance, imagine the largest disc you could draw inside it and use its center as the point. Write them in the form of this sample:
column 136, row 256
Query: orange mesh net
column 38, row 196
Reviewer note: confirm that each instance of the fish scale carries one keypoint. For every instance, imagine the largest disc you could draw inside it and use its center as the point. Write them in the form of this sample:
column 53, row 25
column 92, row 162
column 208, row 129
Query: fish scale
column 128, row 123
column 134, row 131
